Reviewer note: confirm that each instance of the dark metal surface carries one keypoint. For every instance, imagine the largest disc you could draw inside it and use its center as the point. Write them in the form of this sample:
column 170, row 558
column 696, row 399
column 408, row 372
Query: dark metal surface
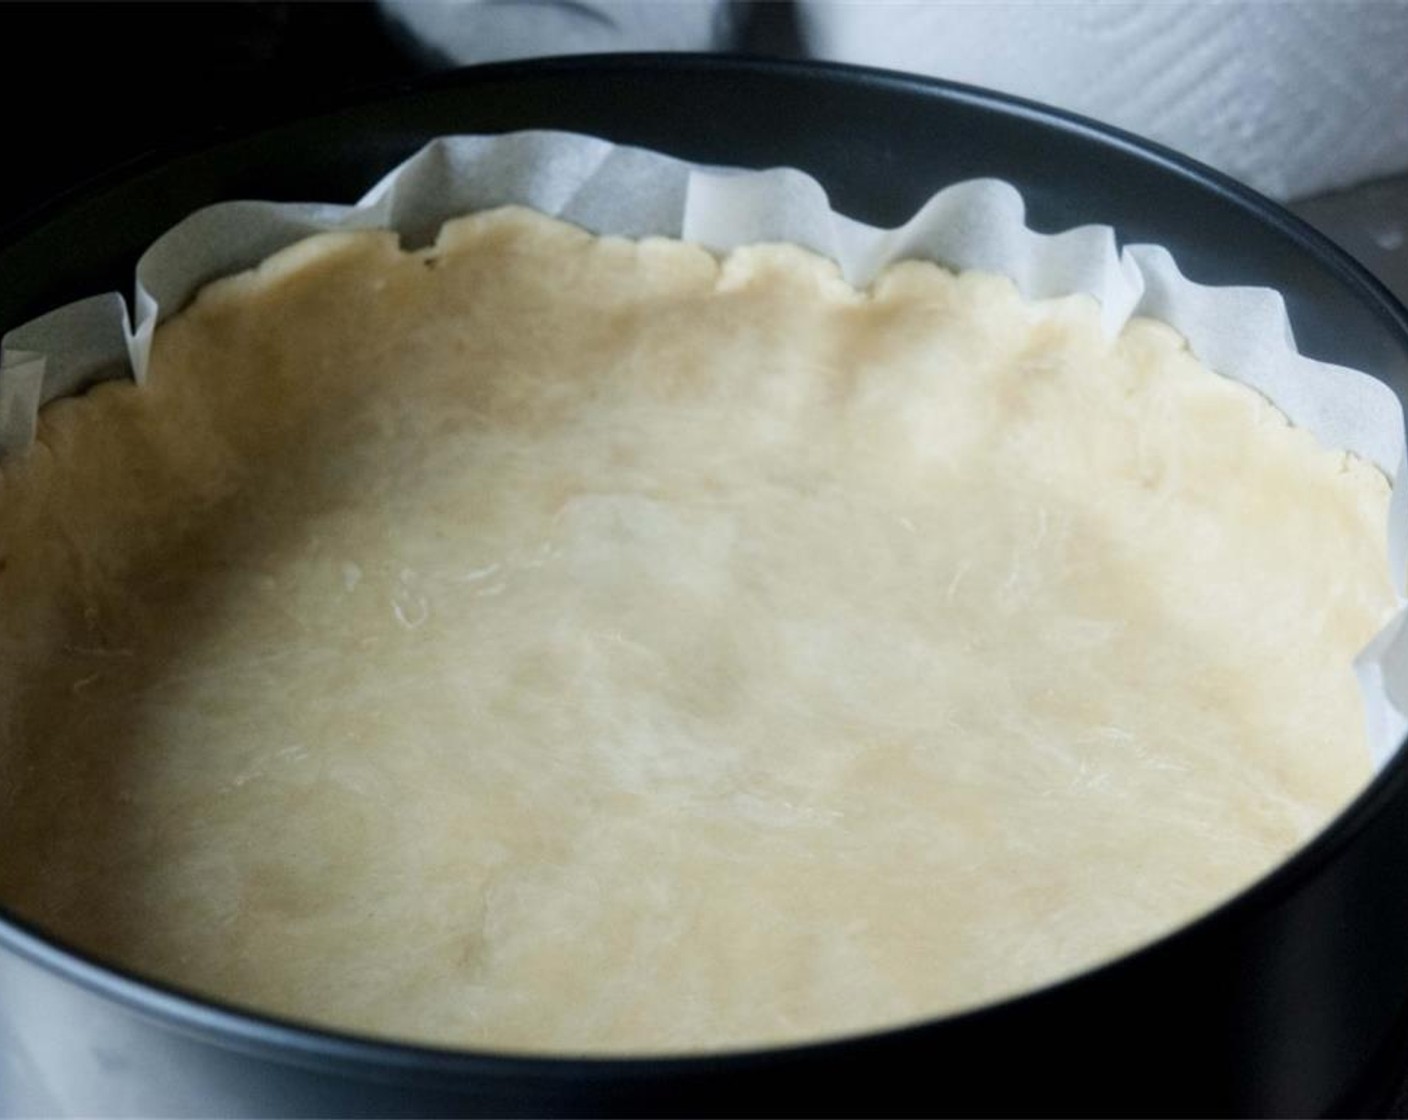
column 1370, row 222
column 1290, row 1000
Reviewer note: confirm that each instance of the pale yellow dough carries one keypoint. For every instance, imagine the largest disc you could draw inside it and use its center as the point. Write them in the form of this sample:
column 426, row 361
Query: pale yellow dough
column 550, row 643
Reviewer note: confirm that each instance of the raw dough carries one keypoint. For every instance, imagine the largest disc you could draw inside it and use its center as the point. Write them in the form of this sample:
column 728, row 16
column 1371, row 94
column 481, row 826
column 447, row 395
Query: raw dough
column 566, row 644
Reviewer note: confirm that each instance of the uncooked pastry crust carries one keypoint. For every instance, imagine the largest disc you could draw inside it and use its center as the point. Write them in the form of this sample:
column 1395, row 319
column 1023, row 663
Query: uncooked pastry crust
column 567, row 644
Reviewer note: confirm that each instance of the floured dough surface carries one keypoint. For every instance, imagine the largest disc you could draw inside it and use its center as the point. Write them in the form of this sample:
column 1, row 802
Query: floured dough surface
column 566, row 644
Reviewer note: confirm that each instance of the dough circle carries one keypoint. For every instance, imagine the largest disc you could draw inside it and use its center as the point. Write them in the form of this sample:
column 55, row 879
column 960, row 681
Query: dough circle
column 557, row 643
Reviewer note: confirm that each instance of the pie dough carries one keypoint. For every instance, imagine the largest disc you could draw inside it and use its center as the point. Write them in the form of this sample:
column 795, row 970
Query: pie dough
column 557, row 643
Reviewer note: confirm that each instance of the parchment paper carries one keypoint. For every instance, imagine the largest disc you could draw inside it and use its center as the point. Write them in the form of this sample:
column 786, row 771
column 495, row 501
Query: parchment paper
column 1242, row 333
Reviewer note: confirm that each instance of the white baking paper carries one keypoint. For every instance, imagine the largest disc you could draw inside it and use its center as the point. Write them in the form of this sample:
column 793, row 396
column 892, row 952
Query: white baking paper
column 1242, row 333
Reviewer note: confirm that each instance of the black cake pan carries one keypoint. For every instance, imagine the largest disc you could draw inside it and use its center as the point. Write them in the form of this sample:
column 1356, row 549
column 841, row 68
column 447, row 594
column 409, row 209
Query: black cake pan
column 1290, row 999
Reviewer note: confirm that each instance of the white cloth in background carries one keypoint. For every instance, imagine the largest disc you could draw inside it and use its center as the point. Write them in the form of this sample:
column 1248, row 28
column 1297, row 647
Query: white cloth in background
column 470, row 31
column 1292, row 98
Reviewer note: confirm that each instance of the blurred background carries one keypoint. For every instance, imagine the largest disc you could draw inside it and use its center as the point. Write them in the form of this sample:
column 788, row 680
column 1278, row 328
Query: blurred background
column 1305, row 100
